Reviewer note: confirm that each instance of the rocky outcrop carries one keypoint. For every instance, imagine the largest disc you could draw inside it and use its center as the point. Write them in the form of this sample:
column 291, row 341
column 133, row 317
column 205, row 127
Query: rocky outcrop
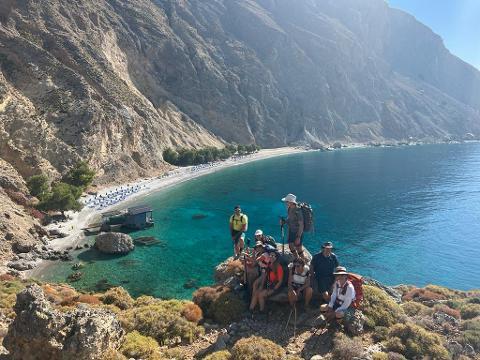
column 114, row 243
column 39, row 331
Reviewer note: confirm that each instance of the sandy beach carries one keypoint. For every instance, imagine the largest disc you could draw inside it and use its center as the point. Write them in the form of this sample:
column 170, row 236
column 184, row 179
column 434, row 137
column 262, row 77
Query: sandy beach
column 87, row 215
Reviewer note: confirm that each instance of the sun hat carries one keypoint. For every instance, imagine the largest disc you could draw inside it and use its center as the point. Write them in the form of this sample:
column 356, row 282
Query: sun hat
column 290, row 198
column 340, row 270
column 258, row 232
column 327, row 245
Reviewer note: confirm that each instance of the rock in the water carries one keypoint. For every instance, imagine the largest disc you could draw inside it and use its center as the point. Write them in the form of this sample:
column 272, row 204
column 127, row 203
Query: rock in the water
column 39, row 331
column 75, row 276
column 114, row 243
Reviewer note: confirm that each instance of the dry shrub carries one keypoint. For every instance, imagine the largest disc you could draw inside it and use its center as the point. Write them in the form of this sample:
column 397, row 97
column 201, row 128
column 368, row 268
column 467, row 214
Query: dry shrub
column 112, row 354
column 192, row 312
column 345, row 348
column 7, row 277
column 471, row 333
column 228, row 269
column 379, row 308
column 379, row 356
column 88, row 299
column 119, row 297
column 414, row 342
column 257, row 348
column 470, row 311
column 422, row 295
column 380, row 333
column 17, row 197
column 396, row 356
column 140, row 347
column 37, row 214
column 173, row 354
column 445, row 292
column 447, row 310
column 220, row 304
column 413, row 308
column 8, row 295
column 161, row 320
column 59, row 294
column 219, row 355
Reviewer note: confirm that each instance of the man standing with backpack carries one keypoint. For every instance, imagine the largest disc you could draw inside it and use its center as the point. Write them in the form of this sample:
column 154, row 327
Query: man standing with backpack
column 295, row 225
column 238, row 225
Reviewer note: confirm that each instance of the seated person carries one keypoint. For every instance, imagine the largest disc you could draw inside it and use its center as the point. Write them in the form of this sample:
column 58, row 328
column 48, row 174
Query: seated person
column 270, row 281
column 343, row 295
column 252, row 267
column 299, row 282
column 265, row 239
column 323, row 265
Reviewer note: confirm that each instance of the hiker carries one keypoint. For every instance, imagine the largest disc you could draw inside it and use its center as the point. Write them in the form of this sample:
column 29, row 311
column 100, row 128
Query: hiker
column 299, row 282
column 265, row 239
column 270, row 281
column 294, row 222
column 343, row 295
column 252, row 267
column 238, row 226
column 323, row 265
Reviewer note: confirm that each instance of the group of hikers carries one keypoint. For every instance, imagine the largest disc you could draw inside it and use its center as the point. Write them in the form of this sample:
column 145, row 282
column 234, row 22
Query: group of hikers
column 268, row 272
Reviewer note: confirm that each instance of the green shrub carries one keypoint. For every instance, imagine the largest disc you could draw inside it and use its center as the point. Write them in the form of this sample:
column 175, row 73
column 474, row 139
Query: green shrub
column 379, row 356
column 471, row 333
column 345, row 348
column 119, row 297
column 469, row 311
column 413, row 342
column 396, row 356
column 380, row 333
column 161, row 320
column 379, row 308
column 413, row 308
column 63, row 197
column 80, row 175
column 8, row 295
column 257, row 348
column 220, row 304
column 219, row 355
column 38, row 185
column 138, row 346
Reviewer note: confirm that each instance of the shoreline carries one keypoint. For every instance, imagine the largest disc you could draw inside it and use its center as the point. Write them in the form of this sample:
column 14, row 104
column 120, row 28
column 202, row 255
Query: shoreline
column 178, row 175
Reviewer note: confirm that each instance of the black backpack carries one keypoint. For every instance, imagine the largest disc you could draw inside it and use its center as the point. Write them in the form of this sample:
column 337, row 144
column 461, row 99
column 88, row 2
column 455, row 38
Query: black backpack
column 307, row 213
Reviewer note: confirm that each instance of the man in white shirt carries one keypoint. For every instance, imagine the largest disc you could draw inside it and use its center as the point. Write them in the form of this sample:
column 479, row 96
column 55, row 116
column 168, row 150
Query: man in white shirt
column 343, row 295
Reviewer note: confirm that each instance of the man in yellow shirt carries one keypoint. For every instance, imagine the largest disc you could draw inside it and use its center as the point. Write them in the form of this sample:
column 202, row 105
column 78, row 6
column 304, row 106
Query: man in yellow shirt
column 238, row 226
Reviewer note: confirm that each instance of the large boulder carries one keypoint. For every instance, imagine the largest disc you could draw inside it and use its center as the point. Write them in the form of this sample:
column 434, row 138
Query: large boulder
column 114, row 243
column 23, row 245
column 40, row 331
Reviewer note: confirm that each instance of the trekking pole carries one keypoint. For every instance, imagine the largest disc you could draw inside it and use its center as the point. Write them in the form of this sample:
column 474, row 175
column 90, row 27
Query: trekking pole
column 283, row 237
column 288, row 320
column 294, row 320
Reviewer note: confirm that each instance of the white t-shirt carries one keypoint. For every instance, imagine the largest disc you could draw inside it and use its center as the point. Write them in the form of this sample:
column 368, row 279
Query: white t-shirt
column 344, row 299
column 299, row 279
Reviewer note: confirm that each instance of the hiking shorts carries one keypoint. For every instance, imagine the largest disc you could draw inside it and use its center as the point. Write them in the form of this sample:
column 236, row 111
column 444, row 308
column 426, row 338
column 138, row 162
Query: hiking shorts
column 237, row 235
column 292, row 235
column 325, row 284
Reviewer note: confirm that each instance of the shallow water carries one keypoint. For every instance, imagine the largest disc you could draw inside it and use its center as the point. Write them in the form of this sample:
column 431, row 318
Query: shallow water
column 401, row 215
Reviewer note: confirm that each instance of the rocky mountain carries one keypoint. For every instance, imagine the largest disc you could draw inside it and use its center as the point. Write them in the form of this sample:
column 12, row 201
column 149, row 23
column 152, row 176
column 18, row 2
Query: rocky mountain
column 116, row 81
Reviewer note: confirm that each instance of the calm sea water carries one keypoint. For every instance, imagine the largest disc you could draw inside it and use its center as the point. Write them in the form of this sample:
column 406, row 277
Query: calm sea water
column 400, row 215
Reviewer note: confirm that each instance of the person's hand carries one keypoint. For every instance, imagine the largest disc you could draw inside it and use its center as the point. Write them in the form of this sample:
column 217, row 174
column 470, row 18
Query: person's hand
column 297, row 241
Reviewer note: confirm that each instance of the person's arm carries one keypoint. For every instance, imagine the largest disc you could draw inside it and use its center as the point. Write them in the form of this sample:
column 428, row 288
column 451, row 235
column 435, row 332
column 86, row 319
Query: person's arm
column 333, row 297
column 244, row 223
column 336, row 261
column 231, row 225
column 349, row 296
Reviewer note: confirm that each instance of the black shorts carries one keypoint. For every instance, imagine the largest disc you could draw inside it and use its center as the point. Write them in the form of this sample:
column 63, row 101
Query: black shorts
column 325, row 284
column 292, row 235
column 237, row 235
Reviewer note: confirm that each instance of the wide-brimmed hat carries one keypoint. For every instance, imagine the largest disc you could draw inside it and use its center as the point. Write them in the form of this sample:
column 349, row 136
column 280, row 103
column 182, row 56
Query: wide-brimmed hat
column 327, row 245
column 290, row 198
column 340, row 270
column 258, row 232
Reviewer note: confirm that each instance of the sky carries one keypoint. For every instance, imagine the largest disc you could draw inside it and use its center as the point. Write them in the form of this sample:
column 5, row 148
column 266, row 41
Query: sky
column 456, row 21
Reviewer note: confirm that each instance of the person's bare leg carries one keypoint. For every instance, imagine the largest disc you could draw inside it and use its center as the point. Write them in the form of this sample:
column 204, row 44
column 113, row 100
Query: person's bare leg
column 292, row 297
column 308, row 292
column 241, row 245
column 261, row 299
column 293, row 250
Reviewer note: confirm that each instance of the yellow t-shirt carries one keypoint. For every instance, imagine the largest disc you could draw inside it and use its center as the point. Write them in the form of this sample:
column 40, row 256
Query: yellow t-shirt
column 238, row 221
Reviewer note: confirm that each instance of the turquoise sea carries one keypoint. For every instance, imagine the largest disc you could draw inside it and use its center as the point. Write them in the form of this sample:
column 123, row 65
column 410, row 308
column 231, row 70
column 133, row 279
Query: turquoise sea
column 400, row 215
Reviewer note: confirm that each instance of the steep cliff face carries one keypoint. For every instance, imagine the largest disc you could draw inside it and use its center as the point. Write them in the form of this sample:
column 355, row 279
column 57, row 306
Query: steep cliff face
column 117, row 81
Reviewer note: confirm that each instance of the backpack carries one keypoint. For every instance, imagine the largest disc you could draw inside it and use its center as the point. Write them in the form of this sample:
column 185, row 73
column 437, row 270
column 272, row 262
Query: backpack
column 307, row 213
column 357, row 282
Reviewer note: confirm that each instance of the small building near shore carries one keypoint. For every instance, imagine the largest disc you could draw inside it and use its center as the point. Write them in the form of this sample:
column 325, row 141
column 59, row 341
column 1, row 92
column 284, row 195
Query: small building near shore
column 138, row 217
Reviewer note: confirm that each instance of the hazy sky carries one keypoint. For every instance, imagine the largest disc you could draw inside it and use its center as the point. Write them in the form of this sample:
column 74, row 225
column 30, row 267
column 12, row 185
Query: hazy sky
column 456, row 21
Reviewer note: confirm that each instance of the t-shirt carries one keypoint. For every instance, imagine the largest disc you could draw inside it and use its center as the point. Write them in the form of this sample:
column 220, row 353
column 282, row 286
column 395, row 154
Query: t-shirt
column 275, row 274
column 268, row 240
column 299, row 279
column 238, row 221
column 324, row 266
column 342, row 296
column 294, row 219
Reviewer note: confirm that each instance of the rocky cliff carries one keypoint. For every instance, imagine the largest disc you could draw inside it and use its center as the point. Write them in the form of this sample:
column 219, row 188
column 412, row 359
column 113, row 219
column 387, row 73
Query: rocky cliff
column 116, row 81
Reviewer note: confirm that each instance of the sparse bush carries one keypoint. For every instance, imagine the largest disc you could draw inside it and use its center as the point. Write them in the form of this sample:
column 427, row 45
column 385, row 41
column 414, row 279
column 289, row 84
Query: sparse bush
column 469, row 311
column 219, row 355
column 220, row 304
column 138, row 346
column 396, row 356
column 59, row 294
column 119, row 297
column 192, row 312
column 443, row 291
column 379, row 308
column 227, row 270
column 422, row 295
column 8, row 295
column 173, row 354
column 380, row 333
column 379, row 356
column 447, row 310
column 413, row 342
column 162, row 320
column 112, row 354
column 413, row 308
column 257, row 348
column 471, row 333
column 345, row 348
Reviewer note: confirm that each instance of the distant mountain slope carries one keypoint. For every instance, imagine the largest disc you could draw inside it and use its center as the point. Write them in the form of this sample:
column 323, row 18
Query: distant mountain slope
column 116, row 81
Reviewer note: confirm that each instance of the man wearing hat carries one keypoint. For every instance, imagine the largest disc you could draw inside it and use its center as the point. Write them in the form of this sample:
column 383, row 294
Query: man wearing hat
column 324, row 264
column 265, row 239
column 343, row 295
column 238, row 226
column 294, row 222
